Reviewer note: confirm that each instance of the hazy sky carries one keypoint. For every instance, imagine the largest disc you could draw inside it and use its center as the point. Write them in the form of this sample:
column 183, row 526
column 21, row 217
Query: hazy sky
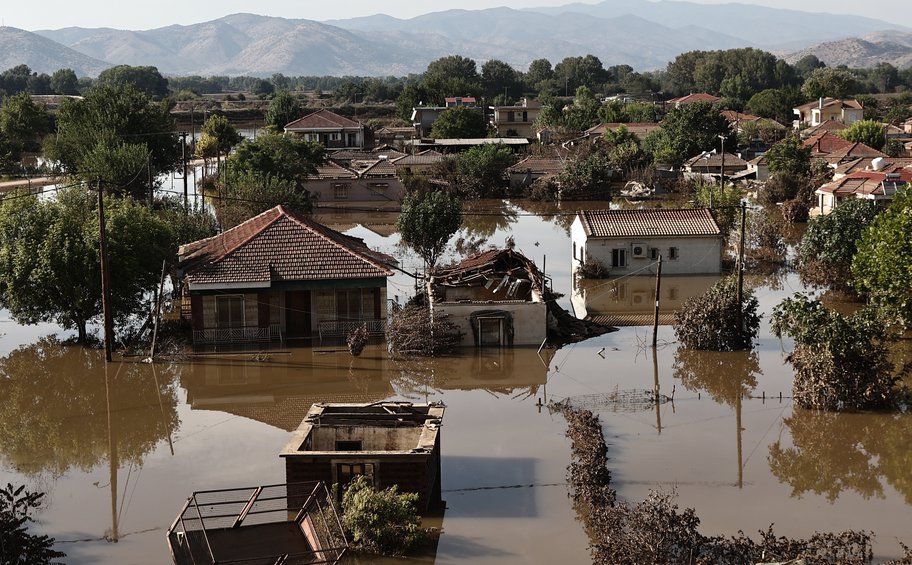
column 54, row 14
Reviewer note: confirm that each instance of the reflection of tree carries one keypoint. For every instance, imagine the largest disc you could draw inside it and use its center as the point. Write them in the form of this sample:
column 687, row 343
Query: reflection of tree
column 54, row 413
column 725, row 375
column 833, row 452
column 559, row 213
column 482, row 218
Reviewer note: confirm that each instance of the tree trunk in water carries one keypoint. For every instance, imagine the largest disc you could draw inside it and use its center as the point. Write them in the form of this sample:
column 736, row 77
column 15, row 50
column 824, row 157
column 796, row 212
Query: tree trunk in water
column 81, row 327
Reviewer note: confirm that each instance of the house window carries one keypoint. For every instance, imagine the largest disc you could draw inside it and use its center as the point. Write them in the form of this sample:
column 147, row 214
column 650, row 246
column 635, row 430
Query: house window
column 510, row 116
column 352, row 140
column 350, row 445
column 348, row 304
column 230, row 311
column 574, row 250
column 618, row 257
column 312, row 137
column 654, row 253
column 490, row 332
column 334, row 137
column 673, row 253
column 340, row 191
column 348, row 471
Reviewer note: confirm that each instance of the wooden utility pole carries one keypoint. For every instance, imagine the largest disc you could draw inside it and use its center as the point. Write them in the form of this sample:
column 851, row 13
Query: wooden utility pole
column 105, row 277
column 157, row 311
column 655, row 318
column 183, row 136
column 741, row 268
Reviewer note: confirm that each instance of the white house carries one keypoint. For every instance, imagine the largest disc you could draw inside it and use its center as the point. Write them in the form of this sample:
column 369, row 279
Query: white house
column 631, row 241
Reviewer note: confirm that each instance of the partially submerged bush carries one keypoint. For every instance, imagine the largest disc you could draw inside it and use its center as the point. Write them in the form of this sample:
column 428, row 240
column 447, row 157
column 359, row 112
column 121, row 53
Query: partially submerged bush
column 711, row 321
column 592, row 269
column 764, row 242
column 381, row 521
column 415, row 330
column 16, row 544
column 841, row 362
column 829, row 244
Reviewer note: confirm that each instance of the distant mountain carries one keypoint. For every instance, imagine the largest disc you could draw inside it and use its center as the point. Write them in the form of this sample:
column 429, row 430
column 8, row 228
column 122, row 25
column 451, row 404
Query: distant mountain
column 758, row 25
column 18, row 47
column 641, row 33
column 892, row 47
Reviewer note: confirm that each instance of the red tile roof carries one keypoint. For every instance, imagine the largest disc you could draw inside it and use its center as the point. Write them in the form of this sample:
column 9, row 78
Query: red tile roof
column 379, row 168
column 869, row 183
column 697, row 97
column 278, row 246
column 322, row 119
column 540, row 165
column 649, row 223
column 825, row 143
column 332, row 170
column 733, row 116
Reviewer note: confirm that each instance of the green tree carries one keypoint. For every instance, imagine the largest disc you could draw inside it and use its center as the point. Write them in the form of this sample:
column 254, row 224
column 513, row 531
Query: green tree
column 223, row 136
column 482, row 170
column 452, row 67
column 841, row 362
column 382, row 521
column 882, row 267
column 106, row 120
column 835, row 83
column 586, row 177
column 286, row 157
column 715, row 321
column 574, row 72
column 691, row 129
column 869, row 132
column 49, row 258
column 65, row 81
column 283, row 109
column 808, row 64
column 775, row 103
column 460, row 122
column 584, row 112
column 497, row 77
column 539, row 71
column 427, row 222
column 829, row 244
column 412, row 95
column 145, row 79
column 17, row 545
column 253, row 193
column 789, row 156
column 24, row 122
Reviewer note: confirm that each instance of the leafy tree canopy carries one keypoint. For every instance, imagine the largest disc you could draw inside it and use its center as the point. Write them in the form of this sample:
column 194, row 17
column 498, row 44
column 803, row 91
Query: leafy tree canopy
column 829, row 244
column 775, row 103
column 584, row 112
column 789, row 156
column 428, row 221
column 498, row 77
column 283, row 109
column 711, row 321
column 24, row 121
column 65, row 81
column 251, row 193
column 16, row 544
column 826, row 82
column 481, row 170
column 286, row 157
column 460, row 122
column 882, row 267
column 382, row 521
column 691, row 129
column 869, row 132
column 145, row 79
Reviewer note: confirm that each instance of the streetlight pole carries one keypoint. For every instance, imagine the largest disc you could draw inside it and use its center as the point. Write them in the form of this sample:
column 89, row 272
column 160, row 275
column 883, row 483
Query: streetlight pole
column 722, row 180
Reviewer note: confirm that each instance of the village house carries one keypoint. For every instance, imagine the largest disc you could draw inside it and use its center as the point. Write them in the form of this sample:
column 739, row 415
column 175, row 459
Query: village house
column 516, row 120
column 389, row 443
column 423, row 117
column 628, row 241
column 495, row 297
column 280, row 276
column 420, row 162
column 391, row 135
column 532, row 168
column 880, row 184
column 693, row 99
column 714, row 163
column 815, row 113
column 329, row 129
column 836, row 150
column 639, row 129
column 373, row 181
column 831, row 126
column 516, row 144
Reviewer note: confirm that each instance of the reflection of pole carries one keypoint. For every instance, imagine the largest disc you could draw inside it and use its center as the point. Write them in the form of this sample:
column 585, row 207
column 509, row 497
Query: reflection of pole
column 655, row 318
column 741, row 270
column 183, row 136
column 161, row 406
column 112, row 458
column 655, row 389
column 740, row 453
column 105, row 278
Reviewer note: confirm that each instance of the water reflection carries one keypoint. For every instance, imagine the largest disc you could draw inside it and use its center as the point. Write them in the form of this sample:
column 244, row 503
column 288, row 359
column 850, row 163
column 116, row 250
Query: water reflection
column 59, row 412
column 630, row 301
column 835, row 452
column 482, row 218
column 727, row 376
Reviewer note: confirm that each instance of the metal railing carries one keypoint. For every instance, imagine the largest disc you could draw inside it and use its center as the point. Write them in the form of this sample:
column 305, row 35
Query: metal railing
column 336, row 328
column 232, row 335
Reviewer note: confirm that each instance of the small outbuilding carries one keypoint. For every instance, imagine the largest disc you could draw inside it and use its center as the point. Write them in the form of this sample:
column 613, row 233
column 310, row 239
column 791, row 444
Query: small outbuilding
column 389, row 443
column 631, row 241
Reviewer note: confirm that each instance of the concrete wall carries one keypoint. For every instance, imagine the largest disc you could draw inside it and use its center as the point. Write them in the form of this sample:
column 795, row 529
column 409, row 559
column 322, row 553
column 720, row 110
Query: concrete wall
column 356, row 190
column 372, row 438
column 529, row 319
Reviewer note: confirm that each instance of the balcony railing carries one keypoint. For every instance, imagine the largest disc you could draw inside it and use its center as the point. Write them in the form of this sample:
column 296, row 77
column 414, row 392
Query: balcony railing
column 337, row 328
column 232, row 335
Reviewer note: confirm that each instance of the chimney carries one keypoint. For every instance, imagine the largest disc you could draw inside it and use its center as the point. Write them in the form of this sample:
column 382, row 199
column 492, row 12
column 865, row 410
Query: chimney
column 821, row 103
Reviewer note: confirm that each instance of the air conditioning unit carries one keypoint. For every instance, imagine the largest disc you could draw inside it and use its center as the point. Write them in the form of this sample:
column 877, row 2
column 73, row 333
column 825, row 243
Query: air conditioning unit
column 640, row 297
column 640, row 250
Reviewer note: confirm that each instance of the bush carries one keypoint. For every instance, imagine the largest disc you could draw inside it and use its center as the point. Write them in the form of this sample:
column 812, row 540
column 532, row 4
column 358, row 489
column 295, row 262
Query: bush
column 382, row 521
column 710, row 321
column 415, row 330
column 16, row 544
column 592, row 269
column 841, row 362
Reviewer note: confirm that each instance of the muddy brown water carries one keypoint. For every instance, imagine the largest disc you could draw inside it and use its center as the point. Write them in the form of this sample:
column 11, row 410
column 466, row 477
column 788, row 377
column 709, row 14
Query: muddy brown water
column 119, row 448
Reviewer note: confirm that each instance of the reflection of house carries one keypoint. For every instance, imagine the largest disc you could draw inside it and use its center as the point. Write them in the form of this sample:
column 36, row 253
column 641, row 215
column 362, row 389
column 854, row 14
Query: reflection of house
column 328, row 128
column 495, row 297
column 390, row 443
column 689, row 240
column 879, row 184
column 516, row 120
column 815, row 113
column 630, row 301
column 279, row 276
column 527, row 171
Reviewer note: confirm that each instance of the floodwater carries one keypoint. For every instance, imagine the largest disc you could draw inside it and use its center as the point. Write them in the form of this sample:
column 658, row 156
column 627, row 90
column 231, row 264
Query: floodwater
column 118, row 448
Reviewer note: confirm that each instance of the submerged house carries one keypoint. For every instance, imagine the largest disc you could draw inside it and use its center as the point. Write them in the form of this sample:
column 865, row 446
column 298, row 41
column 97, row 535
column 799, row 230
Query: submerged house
column 495, row 297
column 628, row 241
column 279, row 276
column 389, row 443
